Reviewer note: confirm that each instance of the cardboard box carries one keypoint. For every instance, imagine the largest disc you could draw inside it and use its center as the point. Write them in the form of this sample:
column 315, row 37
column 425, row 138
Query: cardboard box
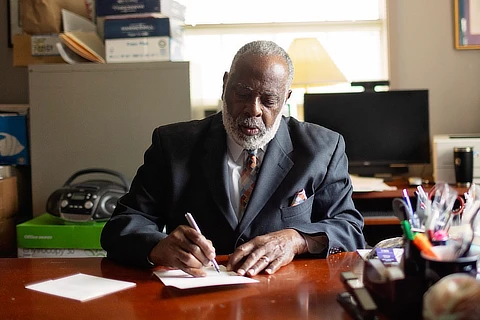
column 49, row 232
column 168, row 8
column 60, row 253
column 142, row 39
column 8, row 212
column 14, row 148
column 24, row 53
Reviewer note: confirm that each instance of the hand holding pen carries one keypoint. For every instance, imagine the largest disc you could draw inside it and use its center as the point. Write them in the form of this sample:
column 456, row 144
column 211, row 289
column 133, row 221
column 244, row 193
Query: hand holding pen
column 183, row 248
column 193, row 224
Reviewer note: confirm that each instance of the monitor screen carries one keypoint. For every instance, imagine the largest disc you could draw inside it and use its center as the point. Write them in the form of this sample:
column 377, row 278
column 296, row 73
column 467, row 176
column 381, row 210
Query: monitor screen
column 383, row 131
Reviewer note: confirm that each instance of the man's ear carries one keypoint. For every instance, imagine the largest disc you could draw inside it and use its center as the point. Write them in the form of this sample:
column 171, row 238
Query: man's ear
column 225, row 78
column 289, row 93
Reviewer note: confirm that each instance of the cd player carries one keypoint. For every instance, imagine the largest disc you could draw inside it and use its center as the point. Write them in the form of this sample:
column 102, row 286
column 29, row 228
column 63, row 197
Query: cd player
column 90, row 200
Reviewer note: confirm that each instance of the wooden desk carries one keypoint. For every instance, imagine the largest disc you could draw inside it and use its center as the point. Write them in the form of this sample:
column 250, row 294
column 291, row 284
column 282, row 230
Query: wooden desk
column 384, row 200
column 306, row 288
column 380, row 221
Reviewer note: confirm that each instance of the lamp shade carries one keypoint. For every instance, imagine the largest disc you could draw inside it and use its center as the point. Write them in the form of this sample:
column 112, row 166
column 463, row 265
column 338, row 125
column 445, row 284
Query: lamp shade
column 313, row 65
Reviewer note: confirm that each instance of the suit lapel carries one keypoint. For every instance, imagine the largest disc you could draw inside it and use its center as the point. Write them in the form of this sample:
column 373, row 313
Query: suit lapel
column 277, row 165
column 216, row 169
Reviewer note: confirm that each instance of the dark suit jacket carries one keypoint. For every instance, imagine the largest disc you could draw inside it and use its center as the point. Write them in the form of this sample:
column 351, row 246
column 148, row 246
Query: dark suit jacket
column 185, row 170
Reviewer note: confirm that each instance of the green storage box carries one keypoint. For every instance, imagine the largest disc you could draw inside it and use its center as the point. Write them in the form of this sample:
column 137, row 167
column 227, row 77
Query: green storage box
column 47, row 231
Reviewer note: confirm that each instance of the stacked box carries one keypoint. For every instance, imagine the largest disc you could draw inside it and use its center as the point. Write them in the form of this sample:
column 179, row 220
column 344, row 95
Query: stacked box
column 13, row 139
column 49, row 236
column 168, row 8
column 141, row 30
column 8, row 212
column 141, row 39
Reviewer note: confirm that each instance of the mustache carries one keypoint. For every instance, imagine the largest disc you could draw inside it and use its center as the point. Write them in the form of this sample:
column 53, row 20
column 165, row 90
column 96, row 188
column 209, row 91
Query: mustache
column 251, row 122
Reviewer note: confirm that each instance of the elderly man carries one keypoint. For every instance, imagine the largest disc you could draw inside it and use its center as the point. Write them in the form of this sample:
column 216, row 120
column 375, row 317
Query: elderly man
column 262, row 187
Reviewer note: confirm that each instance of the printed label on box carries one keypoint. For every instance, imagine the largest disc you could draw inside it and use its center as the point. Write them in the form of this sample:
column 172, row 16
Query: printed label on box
column 142, row 27
column 169, row 8
column 60, row 253
column 138, row 49
column 45, row 45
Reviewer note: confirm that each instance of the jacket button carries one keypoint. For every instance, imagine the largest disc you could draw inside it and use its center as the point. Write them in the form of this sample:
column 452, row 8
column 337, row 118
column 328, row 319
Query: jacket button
column 240, row 241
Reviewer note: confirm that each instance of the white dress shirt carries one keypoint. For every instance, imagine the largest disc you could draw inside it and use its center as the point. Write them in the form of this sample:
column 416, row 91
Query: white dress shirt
column 236, row 160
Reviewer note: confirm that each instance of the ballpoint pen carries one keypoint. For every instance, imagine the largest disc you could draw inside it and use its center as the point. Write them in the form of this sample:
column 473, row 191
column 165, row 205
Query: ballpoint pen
column 194, row 225
column 412, row 218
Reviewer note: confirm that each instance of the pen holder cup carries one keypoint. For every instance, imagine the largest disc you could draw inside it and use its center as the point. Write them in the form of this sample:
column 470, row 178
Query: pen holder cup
column 413, row 262
column 397, row 298
column 444, row 264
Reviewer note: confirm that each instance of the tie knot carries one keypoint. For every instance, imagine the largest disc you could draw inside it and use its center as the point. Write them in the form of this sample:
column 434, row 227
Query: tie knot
column 251, row 159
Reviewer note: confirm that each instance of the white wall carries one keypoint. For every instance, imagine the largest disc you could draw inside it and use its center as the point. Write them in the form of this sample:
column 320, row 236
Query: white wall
column 422, row 55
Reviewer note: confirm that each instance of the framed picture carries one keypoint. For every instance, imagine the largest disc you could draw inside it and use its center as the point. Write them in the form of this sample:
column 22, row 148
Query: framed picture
column 467, row 24
column 14, row 26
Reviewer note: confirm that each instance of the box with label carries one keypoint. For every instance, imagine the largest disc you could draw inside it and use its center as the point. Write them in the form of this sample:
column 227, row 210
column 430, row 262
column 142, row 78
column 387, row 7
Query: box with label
column 38, row 49
column 59, row 253
column 8, row 213
column 168, row 8
column 49, row 232
column 142, row 39
column 14, row 148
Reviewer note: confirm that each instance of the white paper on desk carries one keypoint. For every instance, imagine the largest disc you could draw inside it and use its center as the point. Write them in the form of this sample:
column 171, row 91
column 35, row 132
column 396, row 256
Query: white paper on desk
column 366, row 184
column 182, row 280
column 81, row 287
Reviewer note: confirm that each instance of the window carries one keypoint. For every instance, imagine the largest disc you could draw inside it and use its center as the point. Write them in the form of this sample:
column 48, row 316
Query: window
column 353, row 32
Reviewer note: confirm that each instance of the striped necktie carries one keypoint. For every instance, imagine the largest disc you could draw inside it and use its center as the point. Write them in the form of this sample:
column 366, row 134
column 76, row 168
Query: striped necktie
column 247, row 179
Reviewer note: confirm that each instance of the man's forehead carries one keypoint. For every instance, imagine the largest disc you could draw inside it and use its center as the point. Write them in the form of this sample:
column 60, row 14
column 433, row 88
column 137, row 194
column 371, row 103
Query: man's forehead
column 244, row 87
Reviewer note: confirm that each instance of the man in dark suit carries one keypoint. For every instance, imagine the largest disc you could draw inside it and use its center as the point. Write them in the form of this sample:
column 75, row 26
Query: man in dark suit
column 301, row 200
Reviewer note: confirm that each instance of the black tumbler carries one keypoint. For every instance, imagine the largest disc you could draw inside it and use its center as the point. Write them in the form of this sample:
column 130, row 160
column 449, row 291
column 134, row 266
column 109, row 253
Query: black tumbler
column 463, row 161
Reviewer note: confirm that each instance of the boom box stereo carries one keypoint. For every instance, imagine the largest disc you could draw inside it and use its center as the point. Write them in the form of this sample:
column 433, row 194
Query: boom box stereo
column 89, row 200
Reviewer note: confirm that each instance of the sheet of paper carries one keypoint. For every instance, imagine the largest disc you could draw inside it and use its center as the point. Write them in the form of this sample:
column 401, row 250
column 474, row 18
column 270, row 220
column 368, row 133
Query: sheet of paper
column 74, row 22
column 366, row 184
column 398, row 252
column 81, row 287
column 182, row 280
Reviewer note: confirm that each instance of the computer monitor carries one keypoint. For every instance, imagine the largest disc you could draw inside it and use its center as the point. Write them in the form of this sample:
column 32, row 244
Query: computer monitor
column 384, row 132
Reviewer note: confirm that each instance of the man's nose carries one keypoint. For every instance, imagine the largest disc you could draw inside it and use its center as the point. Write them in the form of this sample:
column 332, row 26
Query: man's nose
column 253, row 107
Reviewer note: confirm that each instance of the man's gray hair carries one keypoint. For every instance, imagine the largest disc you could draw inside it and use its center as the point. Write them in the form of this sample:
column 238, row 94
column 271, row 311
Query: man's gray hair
column 266, row 48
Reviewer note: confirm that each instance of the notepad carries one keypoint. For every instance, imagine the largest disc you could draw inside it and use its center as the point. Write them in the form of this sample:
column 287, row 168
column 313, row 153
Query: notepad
column 81, row 287
column 182, row 280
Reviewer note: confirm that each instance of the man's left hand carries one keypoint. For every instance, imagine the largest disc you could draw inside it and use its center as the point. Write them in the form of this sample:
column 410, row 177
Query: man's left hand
column 269, row 252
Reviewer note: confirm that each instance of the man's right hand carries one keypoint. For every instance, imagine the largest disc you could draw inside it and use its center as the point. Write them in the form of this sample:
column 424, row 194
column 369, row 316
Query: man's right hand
column 184, row 249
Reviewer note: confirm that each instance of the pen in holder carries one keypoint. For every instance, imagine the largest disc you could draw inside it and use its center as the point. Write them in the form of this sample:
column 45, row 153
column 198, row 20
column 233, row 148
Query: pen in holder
column 398, row 290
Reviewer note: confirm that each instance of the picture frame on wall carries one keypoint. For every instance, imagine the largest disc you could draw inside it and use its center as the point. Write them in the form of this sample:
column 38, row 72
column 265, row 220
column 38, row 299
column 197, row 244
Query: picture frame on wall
column 13, row 18
column 467, row 24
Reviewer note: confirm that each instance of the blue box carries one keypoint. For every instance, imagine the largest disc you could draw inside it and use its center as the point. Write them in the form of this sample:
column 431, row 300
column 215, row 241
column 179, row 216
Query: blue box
column 14, row 148
column 136, row 27
column 168, row 8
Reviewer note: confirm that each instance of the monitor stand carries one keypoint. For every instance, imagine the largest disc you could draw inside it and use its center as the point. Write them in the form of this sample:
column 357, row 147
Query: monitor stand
column 386, row 172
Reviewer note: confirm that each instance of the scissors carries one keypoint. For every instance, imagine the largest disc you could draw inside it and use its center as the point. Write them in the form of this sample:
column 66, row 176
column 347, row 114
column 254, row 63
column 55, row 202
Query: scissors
column 447, row 207
column 458, row 210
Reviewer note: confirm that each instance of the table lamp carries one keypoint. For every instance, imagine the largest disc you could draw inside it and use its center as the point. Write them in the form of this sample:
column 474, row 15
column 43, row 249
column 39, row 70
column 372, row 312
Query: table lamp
column 313, row 65
column 313, row 68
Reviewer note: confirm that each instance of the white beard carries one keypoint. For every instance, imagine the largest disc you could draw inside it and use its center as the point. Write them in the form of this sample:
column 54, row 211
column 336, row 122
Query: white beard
column 260, row 140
